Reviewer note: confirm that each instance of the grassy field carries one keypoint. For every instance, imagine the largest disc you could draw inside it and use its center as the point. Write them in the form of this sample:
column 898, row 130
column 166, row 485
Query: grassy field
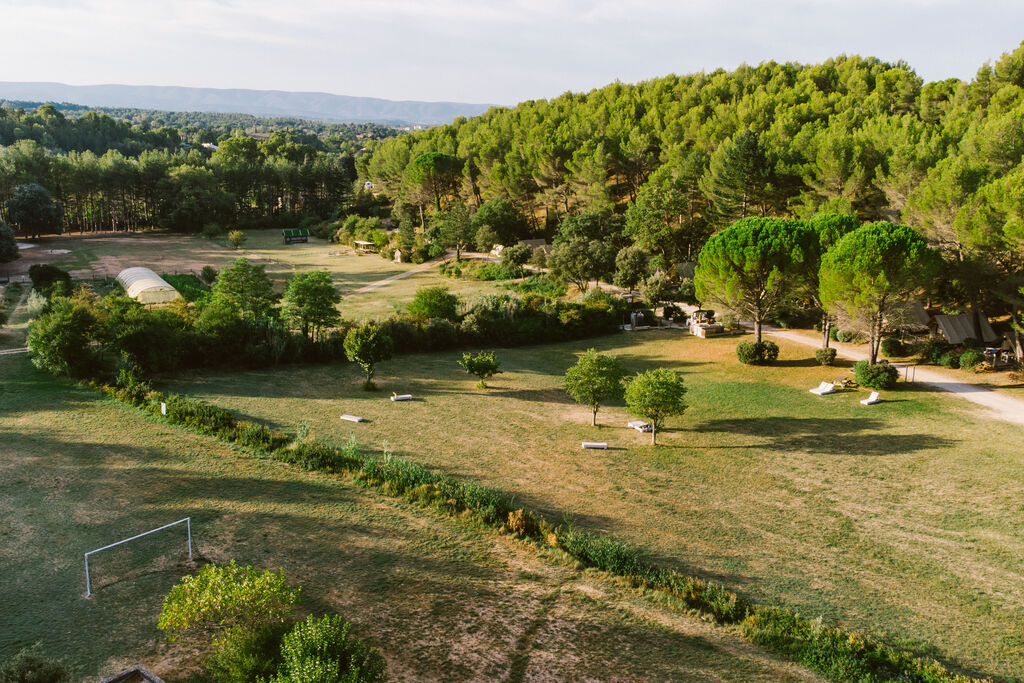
column 104, row 256
column 443, row 601
column 902, row 519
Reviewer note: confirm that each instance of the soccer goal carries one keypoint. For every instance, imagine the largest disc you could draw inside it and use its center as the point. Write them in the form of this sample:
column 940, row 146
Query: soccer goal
column 188, row 529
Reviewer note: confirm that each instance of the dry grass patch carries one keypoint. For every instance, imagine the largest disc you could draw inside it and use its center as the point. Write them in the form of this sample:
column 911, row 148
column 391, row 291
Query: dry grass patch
column 901, row 519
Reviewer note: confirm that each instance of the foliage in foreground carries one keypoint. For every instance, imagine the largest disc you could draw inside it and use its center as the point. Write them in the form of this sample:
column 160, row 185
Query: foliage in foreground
column 324, row 651
column 30, row 665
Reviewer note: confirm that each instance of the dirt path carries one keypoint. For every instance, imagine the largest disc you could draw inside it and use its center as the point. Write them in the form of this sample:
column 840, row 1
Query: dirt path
column 388, row 280
column 1004, row 407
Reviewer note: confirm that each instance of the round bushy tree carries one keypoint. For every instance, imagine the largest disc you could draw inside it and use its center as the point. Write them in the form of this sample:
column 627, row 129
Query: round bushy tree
column 872, row 271
column 435, row 302
column 753, row 264
column 483, row 365
column 8, row 245
column 594, row 380
column 656, row 395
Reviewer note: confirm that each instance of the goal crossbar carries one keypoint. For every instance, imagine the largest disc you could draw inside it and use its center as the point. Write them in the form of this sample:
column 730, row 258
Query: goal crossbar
column 187, row 521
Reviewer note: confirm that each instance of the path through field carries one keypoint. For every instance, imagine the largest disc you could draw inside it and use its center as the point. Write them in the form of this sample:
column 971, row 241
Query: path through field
column 388, row 280
column 1005, row 407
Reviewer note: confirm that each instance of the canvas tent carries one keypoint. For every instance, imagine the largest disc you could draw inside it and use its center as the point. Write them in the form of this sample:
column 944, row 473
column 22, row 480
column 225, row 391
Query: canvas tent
column 957, row 328
column 146, row 287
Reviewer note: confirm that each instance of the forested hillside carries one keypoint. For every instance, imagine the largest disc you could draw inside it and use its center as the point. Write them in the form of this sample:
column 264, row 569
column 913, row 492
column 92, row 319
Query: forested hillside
column 682, row 156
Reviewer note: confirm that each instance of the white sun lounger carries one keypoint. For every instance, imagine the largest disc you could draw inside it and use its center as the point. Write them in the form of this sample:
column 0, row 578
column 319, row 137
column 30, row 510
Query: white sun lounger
column 824, row 388
column 600, row 445
column 639, row 425
column 401, row 397
column 871, row 400
column 352, row 418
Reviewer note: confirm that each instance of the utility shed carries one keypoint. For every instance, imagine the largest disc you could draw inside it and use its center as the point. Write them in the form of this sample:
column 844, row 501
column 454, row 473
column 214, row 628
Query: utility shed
column 146, row 287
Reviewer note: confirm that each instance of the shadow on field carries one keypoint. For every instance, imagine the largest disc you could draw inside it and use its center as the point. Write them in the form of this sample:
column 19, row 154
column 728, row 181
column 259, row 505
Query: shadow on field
column 841, row 436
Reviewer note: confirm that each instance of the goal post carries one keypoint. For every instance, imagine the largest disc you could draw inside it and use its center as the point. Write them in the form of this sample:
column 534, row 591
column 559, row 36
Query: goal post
column 187, row 521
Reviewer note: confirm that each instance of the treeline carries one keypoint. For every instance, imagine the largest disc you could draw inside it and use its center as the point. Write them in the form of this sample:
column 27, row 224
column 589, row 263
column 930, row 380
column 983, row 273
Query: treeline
column 246, row 182
column 681, row 157
column 72, row 127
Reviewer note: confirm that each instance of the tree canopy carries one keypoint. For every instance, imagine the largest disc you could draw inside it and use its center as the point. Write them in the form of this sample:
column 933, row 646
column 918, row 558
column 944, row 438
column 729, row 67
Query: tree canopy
column 871, row 272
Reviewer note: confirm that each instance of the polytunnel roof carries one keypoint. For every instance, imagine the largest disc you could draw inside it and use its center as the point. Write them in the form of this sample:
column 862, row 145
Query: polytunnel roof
column 138, row 280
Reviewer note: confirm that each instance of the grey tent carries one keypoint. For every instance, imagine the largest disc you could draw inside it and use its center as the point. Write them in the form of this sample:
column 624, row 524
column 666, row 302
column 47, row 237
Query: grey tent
column 957, row 328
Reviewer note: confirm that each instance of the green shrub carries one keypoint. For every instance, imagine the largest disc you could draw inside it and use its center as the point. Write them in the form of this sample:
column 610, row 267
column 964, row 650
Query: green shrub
column 893, row 348
column 603, row 552
column 934, row 349
column 44, row 276
column 971, row 358
column 840, row 655
column 950, row 359
column 435, row 302
column 541, row 284
column 754, row 353
column 202, row 417
column 844, row 335
column 208, row 274
column 318, row 456
column 881, row 375
column 324, row 651
column 258, row 437
column 242, row 656
column 825, row 356
column 31, row 666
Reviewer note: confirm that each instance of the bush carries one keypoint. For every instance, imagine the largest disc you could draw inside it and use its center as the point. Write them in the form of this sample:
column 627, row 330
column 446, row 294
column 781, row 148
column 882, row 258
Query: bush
column 825, row 356
column 950, row 359
column 881, row 375
column 321, row 457
column 435, row 302
column 515, row 257
column 208, row 274
column 226, row 596
column 934, row 349
column 324, row 651
column 754, row 353
column 60, row 340
column 44, row 276
column 844, row 335
column 31, row 666
column 601, row 551
column 242, row 656
column 970, row 358
column 237, row 238
column 542, row 285
column 893, row 348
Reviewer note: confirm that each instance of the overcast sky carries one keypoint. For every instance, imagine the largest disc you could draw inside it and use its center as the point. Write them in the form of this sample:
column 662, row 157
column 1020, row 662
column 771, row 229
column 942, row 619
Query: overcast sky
column 498, row 52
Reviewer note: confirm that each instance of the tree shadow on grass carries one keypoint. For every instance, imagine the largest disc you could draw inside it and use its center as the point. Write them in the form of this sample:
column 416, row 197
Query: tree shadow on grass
column 839, row 436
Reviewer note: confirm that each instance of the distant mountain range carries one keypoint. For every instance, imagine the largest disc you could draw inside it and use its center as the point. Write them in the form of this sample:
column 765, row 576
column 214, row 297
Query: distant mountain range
column 309, row 105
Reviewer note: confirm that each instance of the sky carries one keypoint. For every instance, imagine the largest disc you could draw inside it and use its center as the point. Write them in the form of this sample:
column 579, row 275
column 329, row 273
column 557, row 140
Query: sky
column 480, row 51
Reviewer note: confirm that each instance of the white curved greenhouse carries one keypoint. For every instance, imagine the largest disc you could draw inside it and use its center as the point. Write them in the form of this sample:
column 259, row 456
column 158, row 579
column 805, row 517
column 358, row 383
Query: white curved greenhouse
column 146, row 287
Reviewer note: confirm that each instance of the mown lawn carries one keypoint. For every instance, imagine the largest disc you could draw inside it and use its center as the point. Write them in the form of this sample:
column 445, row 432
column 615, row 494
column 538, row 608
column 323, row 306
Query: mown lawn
column 902, row 519
column 443, row 601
